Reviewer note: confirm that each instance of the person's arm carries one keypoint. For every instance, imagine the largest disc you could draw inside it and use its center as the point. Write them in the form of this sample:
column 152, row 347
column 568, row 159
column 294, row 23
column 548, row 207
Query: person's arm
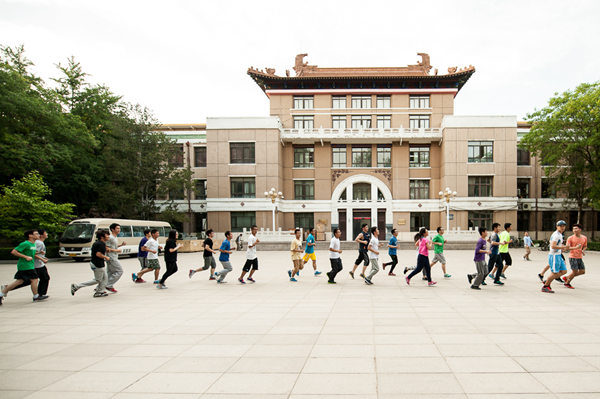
column 310, row 244
column 437, row 243
column 43, row 259
column 226, row 251
column 359, row 239
column 101, row 256
column 20, row 255
column 145, row 248
column 554, row 245
column 176, row 248
column 392, row 246
column 339, row 251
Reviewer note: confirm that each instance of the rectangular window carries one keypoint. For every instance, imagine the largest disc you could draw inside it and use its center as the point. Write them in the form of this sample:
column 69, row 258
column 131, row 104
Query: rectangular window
column 384, row 155
column 303, row 102
column 419, row 189
column 419, row 157
column 200, row 157
column 361, row 156
column 481, row 219
column 304, row 189
column 418, row 220
column 481, row 151
column 548, row 188
column 138, row 231
column 523, row 221
column 361, row 121
column 523, row 188
column 384, row 121
column 361, row 102
column 125, row 232
column 242, row 152
column 338, row 121
column 361, row 191
column 419, row 102
column 239, row 220
column 304, row 157
column 243, row 187
column 304, row 220
column 177, row 160
column 200, row 189
column 384, row 102
column 549, row 219
column 339, row 155
column 303, row 122
column 522, row 157
column 339, row 102
column 419, row 121
column 480, row 186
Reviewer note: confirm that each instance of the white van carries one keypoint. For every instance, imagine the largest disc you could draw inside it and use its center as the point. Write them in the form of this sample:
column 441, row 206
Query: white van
column 76, row 242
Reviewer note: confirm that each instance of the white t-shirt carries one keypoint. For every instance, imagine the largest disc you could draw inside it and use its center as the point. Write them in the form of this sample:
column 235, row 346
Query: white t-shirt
column 334, row 244
column 558, row 237
column 374, row 244
column 251, row 252
column 153, row 245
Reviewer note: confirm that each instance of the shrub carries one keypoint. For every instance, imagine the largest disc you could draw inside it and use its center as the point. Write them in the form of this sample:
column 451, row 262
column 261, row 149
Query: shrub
column 594, row 246
column 51, row 252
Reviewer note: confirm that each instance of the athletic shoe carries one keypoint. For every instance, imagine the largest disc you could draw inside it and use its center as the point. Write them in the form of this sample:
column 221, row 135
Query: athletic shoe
column 564, row 279
column 447, row 275
column 331, row 282
column 491, row 275
column 298, row 273
column 351, row 275
column 523, row 258
column 384, row 265
column 251, row 279
column 317, row 273
column 503, row 276
column 216, row 276
column 221, row 282
column 290, row 273
column 424, row 278
column 541, row 278
column 192, row 272
column 241, row 281
column 498, row 282
column 470, row 277
column 100, row 294
column 559, row 280
column 2, row 287
column 405, row 270
column 111, row 289
column 475, row 288
column 156, row 281
column 211, row 278
column 1, row 299
column 367, row 281
column 483, row 283
column 73, row 289
column 362, row 275
column 547, row 289
column 134, row 277
column 40, row 298
column 391, row 274
column 161, row 287
column 140, row 280
column 293, row 279
column 407, row 280
column 567, row 285
column 432, row 283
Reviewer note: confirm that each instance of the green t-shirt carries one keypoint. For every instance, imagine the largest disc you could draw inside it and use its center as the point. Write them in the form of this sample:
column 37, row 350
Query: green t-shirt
column 438, row 249
column 28, row 249
column 504, row 236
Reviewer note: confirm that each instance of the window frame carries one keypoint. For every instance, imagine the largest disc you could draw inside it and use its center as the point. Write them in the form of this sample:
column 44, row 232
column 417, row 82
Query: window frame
column 523, row 157
column 384, row 102
column 337, row 119
column 419, row 121
column 523, row 180
column 386, row 120
column 198, row 154
column 364, row 188
column 341, row 150
column 368, row 119
column 419, row 99
column 476, row 183
column 306, row 188
column 339, row 100
column 198, row 196
column 382, row 150
column 305, row 152
column 304, row 122
column 419, row 189
column 362, row 150
column 362, row 101
column 306, row 102
column 244, row 181
column 248, row 214
column 246, row 149
column 420, row 163
column 480, row 147
column 424, row 220
column 178, row 158
column 488, row 219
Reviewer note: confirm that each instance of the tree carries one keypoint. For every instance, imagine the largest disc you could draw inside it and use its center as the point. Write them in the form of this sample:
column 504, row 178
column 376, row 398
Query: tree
column 566, row 136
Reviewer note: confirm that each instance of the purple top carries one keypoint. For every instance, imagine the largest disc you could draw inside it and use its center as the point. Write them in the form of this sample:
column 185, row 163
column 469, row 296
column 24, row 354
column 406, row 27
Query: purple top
column 479, row 257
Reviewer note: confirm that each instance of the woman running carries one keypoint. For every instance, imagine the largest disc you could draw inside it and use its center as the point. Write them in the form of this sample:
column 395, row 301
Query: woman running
column 423, row 260
column 171, row 248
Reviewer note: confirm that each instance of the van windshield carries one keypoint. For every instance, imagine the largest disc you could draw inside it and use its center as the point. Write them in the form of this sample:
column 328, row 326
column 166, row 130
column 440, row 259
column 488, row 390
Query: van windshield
column 78, row 233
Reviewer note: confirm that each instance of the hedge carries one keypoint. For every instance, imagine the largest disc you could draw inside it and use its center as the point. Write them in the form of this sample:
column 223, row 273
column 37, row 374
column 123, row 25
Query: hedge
column 51, row 252
column 593, row 246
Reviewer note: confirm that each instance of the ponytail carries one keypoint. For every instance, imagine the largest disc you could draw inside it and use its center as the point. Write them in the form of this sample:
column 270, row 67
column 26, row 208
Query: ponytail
column 420, row 234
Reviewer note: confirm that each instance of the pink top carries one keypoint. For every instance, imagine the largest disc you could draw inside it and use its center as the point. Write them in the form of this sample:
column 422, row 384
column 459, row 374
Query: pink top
column 423, row 250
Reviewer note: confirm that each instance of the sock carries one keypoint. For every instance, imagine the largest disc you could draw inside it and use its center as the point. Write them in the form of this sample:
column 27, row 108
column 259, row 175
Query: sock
column 36, row 295
column 1, row 294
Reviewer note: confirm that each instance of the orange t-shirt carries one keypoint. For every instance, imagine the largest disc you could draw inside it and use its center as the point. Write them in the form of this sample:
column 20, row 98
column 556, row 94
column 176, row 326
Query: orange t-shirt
column 572, row 242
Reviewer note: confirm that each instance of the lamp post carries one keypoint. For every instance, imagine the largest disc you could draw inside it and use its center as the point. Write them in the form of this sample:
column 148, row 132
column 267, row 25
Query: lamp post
column 447, row 195
column 273, row 196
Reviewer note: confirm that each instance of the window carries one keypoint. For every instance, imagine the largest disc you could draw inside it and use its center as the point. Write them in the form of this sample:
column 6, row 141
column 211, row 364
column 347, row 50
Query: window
column 419, row 121
column 419, row 102
column 361, row 156
column 481, row 219
column 361, row 101
column 339, row 102
column 481, row 151
column 138, row 231
column 176, row 194
column 303, row 122
column 304, row 157
column 419, row 189
column 177, row 160
column 480, row 186
column 383, row 102
column 304, row 220
column 303, row 102
column 548, row 188
column 343, row 196
column 384, row 121
column 243, row 187
column 304, row 189
column 339, row 155
column 242, row 152
column 418, row 220
column 125, row 232
column 361, row 122
column 201, row 221
column 523, row 188
column 200, row 189
column 522, row 157
column 380, row 196
column 361, row 191
column 384, row 155
column 200, row 157
column 549, row 219
column 161, row 230
column 239, row 220
column 338, row 121
column 419, row 157
column 523, row 221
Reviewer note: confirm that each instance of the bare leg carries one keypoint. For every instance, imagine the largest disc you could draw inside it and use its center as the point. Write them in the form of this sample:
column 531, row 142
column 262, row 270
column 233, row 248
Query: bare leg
column 554, row 276
column 315, row 265
column 156, row 274
column 243, row 274
column 12, row 286
column 251, row 273
column 34, row 286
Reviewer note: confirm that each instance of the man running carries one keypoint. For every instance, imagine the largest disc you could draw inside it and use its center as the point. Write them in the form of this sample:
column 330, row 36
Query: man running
column 142, row 256
column 97, row 265
column 151, row 247
column 504, row 254
column 479, row 259
column 392, row 248
column 555, row 260
column 528, row 244
column 334, row 256
column 309, row 252
column 251, row 259
column 438, row 251
column 296, row 252
column 363, row 254
column 209, row 259
column 225, row 250
column 576, row 255
column 114, row 269
column 40, row 262
column 373, row 249
column 495, row 261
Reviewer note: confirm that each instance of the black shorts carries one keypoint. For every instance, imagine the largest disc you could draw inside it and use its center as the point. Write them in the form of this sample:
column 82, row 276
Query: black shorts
column 506, row 258
column 26, row 275
column 250, row 263
column 363, row 256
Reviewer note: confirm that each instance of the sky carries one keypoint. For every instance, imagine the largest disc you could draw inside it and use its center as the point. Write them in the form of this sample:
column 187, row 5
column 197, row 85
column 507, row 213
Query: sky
column 187, row 60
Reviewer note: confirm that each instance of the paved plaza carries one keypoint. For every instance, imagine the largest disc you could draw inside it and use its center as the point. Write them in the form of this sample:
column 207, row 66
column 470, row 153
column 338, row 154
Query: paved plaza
column 306, row 340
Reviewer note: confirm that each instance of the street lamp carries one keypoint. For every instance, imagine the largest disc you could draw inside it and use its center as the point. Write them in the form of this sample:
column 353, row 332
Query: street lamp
column 273, row 196
column 447, row 195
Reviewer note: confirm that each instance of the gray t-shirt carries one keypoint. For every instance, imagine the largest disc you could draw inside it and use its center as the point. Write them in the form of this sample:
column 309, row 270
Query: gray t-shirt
column 39, row 247
column 112, row 243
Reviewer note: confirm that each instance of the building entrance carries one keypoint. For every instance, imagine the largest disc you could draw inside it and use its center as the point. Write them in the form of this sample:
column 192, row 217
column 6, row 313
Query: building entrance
column 360, row 217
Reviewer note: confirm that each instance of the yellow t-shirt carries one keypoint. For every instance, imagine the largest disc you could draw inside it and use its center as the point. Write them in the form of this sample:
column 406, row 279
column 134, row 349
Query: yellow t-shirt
column 296, row 244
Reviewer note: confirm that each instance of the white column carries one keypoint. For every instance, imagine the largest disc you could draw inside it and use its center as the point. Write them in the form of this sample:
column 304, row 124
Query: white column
column 349, row 224
column 374, row 190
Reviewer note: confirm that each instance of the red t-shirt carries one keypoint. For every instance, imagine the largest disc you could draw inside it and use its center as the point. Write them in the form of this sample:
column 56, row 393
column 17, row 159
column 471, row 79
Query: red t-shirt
column 572, row 242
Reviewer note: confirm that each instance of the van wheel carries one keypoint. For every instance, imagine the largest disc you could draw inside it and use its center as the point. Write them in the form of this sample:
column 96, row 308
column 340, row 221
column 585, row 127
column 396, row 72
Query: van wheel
column 79, row 259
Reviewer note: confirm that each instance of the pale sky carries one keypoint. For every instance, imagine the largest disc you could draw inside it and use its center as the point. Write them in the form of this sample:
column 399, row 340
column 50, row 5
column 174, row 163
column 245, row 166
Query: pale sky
column 187, row 60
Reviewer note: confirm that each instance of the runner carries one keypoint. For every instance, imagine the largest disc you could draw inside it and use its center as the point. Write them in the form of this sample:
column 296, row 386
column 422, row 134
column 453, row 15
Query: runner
column 310, row 250
column 423, row 261
column 97, row 265
column 373, row 249
column 504, row 254
column 142, row 256
column 171, row 248
column 296, row 250
column 363, row 254
column 209, row 259
column 224, row 258
column 151, row 247
column 495, row 261
column 40, row 262
column 557, row 263
column 528, row 244
column 406, row 269
column 480, row 251
column 392, row 250
column 438, row 251
column 334, row 256
column 113, row 266
column 251, row 259
column 576, row 255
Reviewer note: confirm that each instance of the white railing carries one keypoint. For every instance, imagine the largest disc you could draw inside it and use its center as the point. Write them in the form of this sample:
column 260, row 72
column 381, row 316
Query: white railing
column 399, row 133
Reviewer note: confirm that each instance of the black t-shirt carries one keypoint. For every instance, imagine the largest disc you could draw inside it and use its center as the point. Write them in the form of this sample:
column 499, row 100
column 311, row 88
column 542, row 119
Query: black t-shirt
column 367, row 238
column 99, row 246
column 208, row 242
column 170, row 256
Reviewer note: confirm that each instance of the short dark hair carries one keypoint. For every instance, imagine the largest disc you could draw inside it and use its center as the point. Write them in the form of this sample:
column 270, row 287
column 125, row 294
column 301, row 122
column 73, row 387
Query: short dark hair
column 208, row 232
column 101, row 233
column 297, row 230
column 507, row 225
column 253, row 227
column 146, row 231
column 364, row 225
column 114, row 226
column 28, row 233
column 172, row 234
column 42, row 231
column 373, row 229
column 495, row 225
column 574, row 225
column 439, row 228
column 311, row 229
column 482, row 230
column 393, row 231
column 227, row 233
column 335, row 231
column 153, row 231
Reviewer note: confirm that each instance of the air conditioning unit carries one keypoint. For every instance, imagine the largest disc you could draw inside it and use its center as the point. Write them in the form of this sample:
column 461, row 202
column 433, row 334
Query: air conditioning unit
column 526, row 207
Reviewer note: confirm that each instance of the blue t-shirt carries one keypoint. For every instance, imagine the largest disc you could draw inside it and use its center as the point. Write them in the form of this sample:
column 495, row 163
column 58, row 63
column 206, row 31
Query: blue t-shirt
column 393, row 241
column 310, row 248
column 495, row 248
column 142, row 254
column 226, row 246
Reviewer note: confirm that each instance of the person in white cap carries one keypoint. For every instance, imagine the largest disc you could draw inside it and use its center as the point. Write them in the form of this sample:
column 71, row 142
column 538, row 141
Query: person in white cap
column 555, row 260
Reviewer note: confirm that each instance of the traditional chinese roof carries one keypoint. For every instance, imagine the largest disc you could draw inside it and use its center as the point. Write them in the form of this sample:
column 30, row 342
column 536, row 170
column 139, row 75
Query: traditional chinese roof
column 410, row 77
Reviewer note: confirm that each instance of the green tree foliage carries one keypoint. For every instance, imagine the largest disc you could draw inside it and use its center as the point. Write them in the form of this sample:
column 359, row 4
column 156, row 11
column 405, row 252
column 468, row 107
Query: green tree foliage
column 566, row 136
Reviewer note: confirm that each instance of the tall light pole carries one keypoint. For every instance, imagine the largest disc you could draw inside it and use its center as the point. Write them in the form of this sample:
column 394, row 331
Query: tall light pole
column 273, row 196
column 447, row 195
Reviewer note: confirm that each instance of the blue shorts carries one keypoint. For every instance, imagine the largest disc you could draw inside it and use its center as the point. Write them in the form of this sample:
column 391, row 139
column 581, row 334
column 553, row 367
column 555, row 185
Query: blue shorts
column 557, row 263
